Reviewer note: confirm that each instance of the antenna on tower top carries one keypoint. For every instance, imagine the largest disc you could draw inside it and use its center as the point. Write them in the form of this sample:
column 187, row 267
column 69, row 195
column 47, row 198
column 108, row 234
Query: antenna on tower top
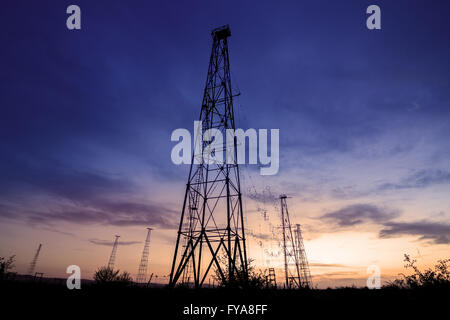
column 112, row 258
column 34, row 261
column 142, row 272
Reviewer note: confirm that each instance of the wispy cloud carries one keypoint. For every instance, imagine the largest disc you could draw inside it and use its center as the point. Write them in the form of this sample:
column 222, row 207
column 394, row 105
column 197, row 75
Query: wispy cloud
column 83, row 197
column 328, row 265
column 115, row 213
column 356, row 214
column 436, row 232
column 419, row 179
column 101, row 211
column 109, row 243
column 339, row 274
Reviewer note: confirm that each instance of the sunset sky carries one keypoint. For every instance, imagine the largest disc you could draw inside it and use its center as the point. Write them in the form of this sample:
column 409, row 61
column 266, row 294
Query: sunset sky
column 364, row 119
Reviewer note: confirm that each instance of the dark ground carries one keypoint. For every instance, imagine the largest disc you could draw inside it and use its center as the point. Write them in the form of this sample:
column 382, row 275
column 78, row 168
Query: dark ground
column 50, row 299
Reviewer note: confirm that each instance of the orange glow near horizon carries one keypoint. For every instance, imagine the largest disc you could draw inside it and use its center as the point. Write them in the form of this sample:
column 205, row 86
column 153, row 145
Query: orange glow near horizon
column 336, row 259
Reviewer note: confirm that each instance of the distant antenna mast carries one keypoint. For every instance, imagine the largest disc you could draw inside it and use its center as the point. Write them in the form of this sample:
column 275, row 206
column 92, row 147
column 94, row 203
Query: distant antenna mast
column 305, row 280
column 33, row 262
column 112, row 258
column 272, row 278
column 142, row 273
column 291, row 261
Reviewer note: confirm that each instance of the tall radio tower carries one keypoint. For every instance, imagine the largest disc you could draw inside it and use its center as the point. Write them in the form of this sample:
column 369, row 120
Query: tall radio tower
column 211, row 230
column 112, row 257
column 34, row 261
column 142, row 272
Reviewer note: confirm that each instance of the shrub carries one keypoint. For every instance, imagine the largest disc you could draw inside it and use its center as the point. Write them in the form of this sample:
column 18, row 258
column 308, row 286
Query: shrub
column 439, row 277
column 239, row 279
column 6, row 265
column 105, row 275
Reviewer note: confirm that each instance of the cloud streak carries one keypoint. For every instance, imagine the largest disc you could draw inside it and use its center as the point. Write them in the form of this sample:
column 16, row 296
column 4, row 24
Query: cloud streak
column 115, row 214
column 328, row 265
column 436, row 232
column 109, row 243
column 356, row 214
column 95, row 211
column 46, row 192
column 419, row 179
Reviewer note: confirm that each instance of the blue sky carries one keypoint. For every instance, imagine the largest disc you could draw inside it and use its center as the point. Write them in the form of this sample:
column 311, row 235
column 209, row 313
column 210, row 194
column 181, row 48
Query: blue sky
column 363, row 115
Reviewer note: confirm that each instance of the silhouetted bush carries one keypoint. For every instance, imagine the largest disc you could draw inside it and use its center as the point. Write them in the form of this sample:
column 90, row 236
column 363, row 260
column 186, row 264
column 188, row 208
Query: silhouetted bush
column 105, row 275
column 124, row 278
column 6, row 265
column 437, row 278
column 239, row 279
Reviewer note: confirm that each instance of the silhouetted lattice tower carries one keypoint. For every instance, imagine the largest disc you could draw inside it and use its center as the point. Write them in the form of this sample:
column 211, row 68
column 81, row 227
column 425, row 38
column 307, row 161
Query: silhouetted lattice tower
column 290, row 252
column 34, row 261
column 142, row 272
column 272, row 278
column 112, row 257
column 305, row 279
column 212, row 223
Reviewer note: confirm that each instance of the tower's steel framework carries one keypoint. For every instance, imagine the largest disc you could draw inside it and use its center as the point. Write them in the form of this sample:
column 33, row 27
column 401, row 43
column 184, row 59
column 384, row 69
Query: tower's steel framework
column 34, row 261
column 211, row 229
column 112, row 257
column 305, row 279
column 142, row 272
column 291, row 265
column 296, row 267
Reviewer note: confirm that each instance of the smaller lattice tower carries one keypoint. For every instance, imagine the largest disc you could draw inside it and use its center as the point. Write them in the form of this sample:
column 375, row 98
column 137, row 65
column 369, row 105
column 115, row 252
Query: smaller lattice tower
column 291, row 263
column 305, row 274
column 112, row 258
column 271, row 278
column 142, row 272
column 34, row 261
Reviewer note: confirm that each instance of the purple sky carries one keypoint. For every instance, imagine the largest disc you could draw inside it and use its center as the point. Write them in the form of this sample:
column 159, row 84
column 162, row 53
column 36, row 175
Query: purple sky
column 86, row 116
